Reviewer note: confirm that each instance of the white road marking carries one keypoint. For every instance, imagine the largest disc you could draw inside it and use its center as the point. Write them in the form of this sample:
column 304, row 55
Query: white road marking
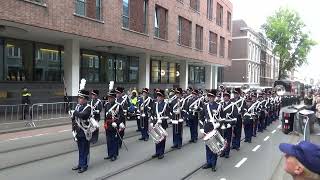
column 64, row 130
column 13, row 139
column 241, row 162
column 25, row 137
column 273, row 131
column 41, row 134
column 265, row 139
column 279, row 126
column 223, row 179
column 256, row 148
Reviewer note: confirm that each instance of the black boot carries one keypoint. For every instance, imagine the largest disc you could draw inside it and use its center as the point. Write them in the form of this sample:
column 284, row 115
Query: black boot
column 75, row 168
column 206, row 166
column 81, row 170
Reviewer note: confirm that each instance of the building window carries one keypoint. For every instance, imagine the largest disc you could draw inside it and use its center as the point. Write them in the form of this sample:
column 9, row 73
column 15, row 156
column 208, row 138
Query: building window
column 90, row 8
column 90, row 63
column 47, row 63
column 121, row 69
column 199, row 37
column 184, row 31
column 155, row 71
column 125, row 14
column 18, row 60
column 219, row 16
column 135, row 15
column 134, row 69
column 196, row 74
column 213, row 41
column 222, row 47
column 195, row 4
column 164, row 72
column 229, row 49
column 229, row 21
column 98, row 9
column 210, row 9
column 160, row 22
column 81, row 7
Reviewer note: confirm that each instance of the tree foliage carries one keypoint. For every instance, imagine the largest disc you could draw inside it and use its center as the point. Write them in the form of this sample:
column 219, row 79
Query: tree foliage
column 292, row 44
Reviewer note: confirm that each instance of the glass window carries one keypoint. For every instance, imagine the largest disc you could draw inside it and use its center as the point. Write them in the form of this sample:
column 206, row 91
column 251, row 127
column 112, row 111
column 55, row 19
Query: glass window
column 196, row 74
column 155, row 71
column 81, row 7
column 125, row 13
column 209, row 9
column 18, row 61
column 121, row 65
column 172, row 72
column 134, row 69
column 90, row 67
column 156, row 22
column 47, row 63
column 98, row 10
column 110, row 68
column 164, row 72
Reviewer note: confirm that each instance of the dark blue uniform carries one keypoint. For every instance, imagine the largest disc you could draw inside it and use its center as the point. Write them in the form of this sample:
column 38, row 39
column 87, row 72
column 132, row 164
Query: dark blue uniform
column 96, row 108
column 207, row 126
column 237, row 129
column 262, row 116
column 163, row 108
column 82, row 114
column 248, row 123
column 227, row 133
column 145, row 113
column 111, row 132
column 124, row 104
column 177, row 122
column 194, row 118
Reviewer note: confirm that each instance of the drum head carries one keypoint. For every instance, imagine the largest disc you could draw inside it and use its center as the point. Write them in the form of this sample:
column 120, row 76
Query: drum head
column 209, row 135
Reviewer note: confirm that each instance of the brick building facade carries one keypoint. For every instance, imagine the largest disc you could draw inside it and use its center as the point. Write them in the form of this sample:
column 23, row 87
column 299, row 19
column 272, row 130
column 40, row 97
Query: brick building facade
column 136, row 43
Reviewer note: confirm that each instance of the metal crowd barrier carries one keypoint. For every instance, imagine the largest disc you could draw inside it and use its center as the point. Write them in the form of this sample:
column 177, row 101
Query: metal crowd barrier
column 49, row 111
column 15, row 112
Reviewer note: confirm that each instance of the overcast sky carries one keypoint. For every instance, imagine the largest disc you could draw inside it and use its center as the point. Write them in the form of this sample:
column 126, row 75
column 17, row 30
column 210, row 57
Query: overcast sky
column 255, row 12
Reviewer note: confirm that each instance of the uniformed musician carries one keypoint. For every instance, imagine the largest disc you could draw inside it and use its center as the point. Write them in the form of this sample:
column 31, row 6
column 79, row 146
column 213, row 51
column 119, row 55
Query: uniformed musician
column 237, row 129
column 96, row 108
column 263, row 112
column 229, row 113
column 113, row 124
column 248, row 120
column 256, row 114
column 177, row 118
column 160, row 114
column 122, row 99
column 206, row 126
column 195, row 106
column 80, row 115
column 145, row 104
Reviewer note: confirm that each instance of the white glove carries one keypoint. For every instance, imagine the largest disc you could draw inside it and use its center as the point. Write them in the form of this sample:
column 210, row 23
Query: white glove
column 97, row 111
column 122, row 126
column 202, row 131
column 151, row 124
column 159, row 121
column 71, row 113
column 114, row 124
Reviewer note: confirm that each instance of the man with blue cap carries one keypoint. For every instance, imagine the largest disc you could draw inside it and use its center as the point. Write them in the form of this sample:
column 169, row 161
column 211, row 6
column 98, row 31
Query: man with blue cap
column 302, row 160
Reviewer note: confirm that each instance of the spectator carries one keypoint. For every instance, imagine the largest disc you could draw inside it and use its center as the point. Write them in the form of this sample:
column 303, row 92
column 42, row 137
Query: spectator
column 317, row 106
column 302, row 160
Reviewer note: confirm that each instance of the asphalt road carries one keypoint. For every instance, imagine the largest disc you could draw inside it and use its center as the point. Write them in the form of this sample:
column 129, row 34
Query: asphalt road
column 50, row 154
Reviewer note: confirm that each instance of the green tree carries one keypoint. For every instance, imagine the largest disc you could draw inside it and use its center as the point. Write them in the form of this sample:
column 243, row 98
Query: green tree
column 292, row 44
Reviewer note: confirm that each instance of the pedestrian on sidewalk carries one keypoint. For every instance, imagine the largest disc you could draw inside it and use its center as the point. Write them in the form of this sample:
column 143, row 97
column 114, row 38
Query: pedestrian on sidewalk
column 302, row 160
column 317, row 106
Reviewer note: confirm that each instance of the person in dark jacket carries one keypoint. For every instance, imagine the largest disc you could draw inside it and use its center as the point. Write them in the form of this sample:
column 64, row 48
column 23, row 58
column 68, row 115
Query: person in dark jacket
column 25, row 101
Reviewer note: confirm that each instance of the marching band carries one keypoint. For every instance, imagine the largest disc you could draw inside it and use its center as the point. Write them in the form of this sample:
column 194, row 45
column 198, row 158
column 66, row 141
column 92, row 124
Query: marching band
column 220, row 120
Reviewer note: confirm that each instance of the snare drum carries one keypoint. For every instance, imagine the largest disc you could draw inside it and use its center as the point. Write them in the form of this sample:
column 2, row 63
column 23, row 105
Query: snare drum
column 215, row 141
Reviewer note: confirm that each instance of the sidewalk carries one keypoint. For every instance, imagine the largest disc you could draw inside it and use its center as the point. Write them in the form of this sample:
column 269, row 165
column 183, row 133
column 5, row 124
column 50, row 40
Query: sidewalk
column 279, row 173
